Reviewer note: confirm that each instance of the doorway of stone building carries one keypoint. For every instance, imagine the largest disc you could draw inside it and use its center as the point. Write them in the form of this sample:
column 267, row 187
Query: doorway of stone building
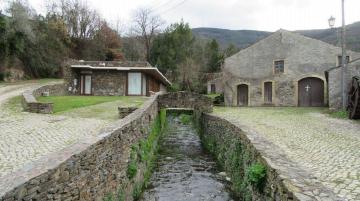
column 311, row 92
column 268, row 92
column 242, row 95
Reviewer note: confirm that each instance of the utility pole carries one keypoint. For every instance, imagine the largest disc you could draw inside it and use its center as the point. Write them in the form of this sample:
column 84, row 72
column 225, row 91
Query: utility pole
column 343, row 59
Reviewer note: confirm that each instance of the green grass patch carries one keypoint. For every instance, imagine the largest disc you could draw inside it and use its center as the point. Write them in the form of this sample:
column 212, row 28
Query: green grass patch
column 342, row 114
column 65, row 103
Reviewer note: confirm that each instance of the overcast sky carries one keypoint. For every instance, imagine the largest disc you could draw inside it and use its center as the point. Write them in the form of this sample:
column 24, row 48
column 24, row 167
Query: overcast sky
column 268, row 15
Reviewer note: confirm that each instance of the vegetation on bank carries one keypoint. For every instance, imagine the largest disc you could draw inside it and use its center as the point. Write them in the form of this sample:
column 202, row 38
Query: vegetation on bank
column 142, row 156
column 65, row 103
column 234, row 158
column 185, row 118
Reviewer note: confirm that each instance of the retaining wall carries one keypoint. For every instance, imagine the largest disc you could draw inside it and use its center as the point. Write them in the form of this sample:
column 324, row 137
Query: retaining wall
column 87, row 170
column 30, row 103
column 237, row 148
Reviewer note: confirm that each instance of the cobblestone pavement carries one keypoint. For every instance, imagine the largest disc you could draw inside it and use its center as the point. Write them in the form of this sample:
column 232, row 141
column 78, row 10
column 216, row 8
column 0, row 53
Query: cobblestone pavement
column 25, row 137
column 326, row 147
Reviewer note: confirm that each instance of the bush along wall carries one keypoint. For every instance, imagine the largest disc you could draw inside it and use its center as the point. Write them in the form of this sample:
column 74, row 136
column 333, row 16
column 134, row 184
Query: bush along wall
column 236, row 157
column 141, row 162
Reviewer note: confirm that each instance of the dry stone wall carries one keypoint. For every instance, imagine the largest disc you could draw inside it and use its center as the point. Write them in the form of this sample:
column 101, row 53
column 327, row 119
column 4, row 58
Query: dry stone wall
column 30, row 103
column 237, row 146
column 334, row 77
column 87, row 170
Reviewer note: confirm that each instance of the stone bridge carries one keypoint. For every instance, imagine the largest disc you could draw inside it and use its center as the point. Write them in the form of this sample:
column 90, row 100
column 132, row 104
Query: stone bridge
column 184, row 99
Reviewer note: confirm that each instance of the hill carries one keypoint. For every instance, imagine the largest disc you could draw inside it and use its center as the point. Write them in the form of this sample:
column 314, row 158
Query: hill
column 244, row 38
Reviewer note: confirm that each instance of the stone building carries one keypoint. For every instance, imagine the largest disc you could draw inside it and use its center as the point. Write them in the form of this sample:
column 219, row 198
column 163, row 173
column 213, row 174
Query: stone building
column 283, row 69
column 113, row 78
column 334, row 79
column 214, row 83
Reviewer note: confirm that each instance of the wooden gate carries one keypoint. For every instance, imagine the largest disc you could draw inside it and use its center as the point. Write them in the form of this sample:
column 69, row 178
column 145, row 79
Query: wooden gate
column 242, row 95
column 311, row 92
column 268, row 92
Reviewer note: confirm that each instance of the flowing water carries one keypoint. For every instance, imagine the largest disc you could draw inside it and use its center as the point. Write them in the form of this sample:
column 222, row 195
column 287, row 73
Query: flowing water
column 183, row 170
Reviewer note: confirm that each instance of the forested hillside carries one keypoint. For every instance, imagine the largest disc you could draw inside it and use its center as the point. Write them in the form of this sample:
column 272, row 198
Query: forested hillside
column 244, row 38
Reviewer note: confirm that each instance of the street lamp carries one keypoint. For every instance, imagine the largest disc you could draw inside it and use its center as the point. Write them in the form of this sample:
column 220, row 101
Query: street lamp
column 331, row 21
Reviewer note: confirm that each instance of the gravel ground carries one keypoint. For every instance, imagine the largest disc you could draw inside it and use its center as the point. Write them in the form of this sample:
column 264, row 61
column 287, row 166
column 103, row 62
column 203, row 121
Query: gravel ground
column 25, row 137
column 328, row 148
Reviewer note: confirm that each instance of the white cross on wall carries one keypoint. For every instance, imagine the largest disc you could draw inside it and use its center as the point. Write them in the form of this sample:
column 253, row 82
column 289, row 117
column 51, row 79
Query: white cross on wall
column 307, row 88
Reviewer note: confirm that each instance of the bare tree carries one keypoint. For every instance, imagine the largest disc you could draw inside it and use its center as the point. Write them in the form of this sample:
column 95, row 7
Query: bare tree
column 146, row 26
column 82, row 22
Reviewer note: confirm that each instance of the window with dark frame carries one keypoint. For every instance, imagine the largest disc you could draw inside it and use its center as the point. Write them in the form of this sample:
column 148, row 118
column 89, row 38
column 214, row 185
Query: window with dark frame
column 278, row 66
column 340, row 60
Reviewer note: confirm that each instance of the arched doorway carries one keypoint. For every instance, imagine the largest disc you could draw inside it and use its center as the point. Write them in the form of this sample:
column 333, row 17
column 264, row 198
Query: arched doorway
column 311, row 92
column 242, row 95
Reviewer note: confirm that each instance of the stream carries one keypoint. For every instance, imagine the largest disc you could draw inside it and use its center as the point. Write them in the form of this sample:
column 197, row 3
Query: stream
column 183, row 170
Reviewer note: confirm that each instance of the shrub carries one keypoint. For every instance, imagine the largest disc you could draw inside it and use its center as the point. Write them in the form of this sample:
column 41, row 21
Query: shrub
column 121, row 195
column 109, row 197
column 132, row 170
column 219, row 99
column 137, row 191
column 256, row 174
column 185, row 118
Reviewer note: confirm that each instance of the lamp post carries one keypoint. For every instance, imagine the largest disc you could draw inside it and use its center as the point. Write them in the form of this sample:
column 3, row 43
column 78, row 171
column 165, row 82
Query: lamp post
column 331, row 21
column 343, row 58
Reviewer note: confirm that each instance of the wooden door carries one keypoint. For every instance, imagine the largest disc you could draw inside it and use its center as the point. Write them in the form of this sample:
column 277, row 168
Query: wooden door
column 268, row 92
column 311, row 92
column 242, row 95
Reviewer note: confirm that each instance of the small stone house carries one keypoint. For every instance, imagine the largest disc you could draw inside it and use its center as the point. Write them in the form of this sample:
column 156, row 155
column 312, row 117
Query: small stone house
column 104, row 78
column 283, row 69
column 214, row 83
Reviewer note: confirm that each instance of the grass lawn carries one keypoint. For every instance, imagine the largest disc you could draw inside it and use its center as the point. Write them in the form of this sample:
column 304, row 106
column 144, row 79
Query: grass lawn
column 65, row 103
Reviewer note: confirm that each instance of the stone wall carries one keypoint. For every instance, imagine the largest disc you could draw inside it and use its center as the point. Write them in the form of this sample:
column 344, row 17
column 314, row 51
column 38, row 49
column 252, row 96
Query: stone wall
column 334, row 79
column 109, row 83
column 30, row 103
column 303, row 57
column 237, row 148
column 183, row 99
column 87, row 170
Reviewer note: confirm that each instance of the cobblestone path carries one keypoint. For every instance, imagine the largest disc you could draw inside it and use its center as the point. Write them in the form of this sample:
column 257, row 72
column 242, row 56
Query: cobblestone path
column 328, row 148
column 25, row 137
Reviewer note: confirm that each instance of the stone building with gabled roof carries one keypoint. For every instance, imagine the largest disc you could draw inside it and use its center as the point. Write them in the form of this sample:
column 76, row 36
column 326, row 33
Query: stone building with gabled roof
column 283, row 69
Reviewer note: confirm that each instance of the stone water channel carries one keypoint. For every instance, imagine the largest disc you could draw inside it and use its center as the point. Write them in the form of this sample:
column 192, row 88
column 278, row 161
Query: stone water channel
column 183, row 170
